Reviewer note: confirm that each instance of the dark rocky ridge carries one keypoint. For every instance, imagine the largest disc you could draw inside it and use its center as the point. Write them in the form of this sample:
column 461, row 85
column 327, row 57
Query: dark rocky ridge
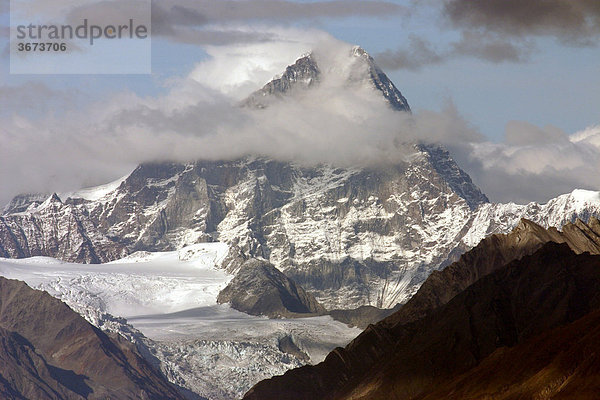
column 376, row 343
column 261, row 289
column 560, row 364
column 48, row 351
column 527, row 298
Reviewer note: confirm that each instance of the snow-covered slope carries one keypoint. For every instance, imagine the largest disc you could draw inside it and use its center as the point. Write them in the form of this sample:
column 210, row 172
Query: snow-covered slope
column 169, row 299
column 502, row 218
column 143, row 283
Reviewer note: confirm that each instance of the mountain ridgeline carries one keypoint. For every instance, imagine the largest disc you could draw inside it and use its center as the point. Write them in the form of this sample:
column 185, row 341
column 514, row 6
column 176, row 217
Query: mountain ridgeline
column 364, row 236
column 518, row 316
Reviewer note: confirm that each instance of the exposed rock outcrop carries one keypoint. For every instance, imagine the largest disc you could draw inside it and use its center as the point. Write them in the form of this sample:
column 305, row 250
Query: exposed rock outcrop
column 261, row 289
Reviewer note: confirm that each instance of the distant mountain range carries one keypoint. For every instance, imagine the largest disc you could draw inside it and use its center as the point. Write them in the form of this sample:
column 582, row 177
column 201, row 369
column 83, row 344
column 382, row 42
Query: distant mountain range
column 350, row 236
column 518, row 316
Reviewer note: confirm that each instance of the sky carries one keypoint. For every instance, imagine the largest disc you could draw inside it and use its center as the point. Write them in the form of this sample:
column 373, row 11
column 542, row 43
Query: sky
column 512, row 88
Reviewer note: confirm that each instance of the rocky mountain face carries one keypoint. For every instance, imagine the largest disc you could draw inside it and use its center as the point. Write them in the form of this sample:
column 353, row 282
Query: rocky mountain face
column 351, row 236
column 301, row 75
column 48, row 351
column 261, row 289
column 544, row 304
column 51, row 228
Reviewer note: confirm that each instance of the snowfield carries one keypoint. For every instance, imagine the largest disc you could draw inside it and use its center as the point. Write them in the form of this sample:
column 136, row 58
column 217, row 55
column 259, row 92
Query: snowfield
column 169, row 302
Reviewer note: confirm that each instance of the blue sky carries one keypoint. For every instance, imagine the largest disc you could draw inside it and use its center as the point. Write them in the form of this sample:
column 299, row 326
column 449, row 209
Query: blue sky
column 498, row 66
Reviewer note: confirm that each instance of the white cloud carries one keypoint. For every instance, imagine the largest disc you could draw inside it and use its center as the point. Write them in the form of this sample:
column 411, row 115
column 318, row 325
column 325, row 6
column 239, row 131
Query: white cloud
column 534, row 164
column 338, row 121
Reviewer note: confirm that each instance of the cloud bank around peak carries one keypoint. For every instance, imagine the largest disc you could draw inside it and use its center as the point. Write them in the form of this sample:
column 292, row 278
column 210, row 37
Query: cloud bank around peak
column 343, row 122
column 533, row 163
column 335, row 122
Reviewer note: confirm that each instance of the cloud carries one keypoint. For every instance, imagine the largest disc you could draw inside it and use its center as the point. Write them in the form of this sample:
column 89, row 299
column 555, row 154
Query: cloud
column 343, row 121
column 490, row 48
column 419, row 53
column 575, row 21
column 484, row 46
column 210, row 11
column 533, row 163
column 209, row 22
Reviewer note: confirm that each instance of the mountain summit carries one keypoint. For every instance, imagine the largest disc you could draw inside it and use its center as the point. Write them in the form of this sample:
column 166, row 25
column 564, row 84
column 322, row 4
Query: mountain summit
column 356, row 68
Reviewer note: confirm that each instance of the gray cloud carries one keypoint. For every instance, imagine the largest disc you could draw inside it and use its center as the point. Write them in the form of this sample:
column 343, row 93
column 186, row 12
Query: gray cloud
column 225, row 21
column 485, row 46
column 569, row 20
column 533, row 163
column 274, row 10
column 420, row 53
column 490, row 48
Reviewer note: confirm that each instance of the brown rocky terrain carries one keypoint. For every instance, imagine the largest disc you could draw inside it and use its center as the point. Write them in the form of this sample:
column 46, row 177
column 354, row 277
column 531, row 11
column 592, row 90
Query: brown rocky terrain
column 494, row 312
column 47, row 351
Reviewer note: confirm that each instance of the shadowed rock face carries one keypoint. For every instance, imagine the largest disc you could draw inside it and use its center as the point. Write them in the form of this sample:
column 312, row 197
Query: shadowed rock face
column 408, row 333
column 48, row 351
column 260, row 289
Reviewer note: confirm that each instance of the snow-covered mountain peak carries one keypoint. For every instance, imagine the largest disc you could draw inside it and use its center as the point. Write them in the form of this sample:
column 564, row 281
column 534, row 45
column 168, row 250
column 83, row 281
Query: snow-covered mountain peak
column 358, row 51
column 53, row 199
column 95, row 192
column 583, row 197
column 340, row 68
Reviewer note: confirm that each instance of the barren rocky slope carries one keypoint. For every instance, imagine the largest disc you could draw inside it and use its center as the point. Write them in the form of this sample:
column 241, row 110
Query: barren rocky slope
column 48, row 351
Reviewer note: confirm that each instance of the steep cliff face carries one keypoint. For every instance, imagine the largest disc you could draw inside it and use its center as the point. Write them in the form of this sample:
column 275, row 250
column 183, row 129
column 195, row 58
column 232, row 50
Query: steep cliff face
column 373, row 347
column 49, row 351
